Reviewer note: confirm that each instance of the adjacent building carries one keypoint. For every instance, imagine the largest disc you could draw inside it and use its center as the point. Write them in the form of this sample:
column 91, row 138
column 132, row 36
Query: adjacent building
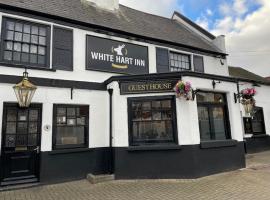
column 105, row 100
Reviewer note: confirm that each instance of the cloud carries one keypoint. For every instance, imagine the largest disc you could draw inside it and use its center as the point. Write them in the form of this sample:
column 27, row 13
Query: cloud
column 209, row 12
column 158, row 7
column 247, row 38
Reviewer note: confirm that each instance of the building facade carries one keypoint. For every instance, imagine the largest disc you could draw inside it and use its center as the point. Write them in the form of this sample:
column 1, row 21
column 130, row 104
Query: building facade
column 105, row 102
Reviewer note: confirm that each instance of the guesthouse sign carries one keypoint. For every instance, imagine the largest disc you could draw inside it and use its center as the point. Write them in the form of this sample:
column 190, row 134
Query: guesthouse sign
column 147, row 87
column 115, row 56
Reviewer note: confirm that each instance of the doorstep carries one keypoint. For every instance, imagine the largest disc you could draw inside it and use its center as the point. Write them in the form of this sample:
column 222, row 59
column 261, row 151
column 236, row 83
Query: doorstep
column 94, row 179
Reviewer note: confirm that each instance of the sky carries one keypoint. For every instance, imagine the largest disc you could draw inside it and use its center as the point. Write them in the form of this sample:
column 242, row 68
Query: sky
column 245, row 23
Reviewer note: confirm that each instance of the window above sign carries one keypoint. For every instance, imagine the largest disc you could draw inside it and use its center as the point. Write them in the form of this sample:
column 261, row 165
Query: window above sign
column 179, row 62
column 25, row 43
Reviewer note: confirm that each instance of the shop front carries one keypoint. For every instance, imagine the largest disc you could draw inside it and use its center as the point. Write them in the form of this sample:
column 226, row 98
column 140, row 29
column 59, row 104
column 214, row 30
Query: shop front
column 162, row 134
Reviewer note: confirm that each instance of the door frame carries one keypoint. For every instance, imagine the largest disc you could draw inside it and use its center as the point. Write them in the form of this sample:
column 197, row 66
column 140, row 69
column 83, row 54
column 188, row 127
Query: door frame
column 4, row 112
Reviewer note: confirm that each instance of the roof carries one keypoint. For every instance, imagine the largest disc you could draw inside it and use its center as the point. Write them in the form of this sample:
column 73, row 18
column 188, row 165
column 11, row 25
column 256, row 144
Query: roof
column 126, row 20
column 194, row 25
column 239, row 72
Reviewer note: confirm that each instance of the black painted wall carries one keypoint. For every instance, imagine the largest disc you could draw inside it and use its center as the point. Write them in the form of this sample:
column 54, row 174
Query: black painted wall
column 257, row 144
column 188, row 162
column 60, row 166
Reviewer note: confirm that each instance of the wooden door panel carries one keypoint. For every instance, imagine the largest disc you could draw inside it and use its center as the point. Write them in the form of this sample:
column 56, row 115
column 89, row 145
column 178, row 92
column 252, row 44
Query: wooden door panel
column 21, row 141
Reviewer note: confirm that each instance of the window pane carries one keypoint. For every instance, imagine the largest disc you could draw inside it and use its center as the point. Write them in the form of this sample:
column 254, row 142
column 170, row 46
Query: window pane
column 136, row 106
column 81, row 121
column 33, row 49
column 10, row 25
column 146, row 105
column 11, row 128
column 21, row 140
column 218, row 123
column 156, row 104
column 70, row 135
column 11, row 115
column 26, row 38
column 32, row 139
column 42, row 31
column 34, row 30
column 257, row 127
column 33, row 115
column 210, row 97
column 156, row 115
column 146, row 115
column 9, row 35
column 33, row 127
column 10, row 141
column 204, row 123
column 18, row 27
column 166, row 104
column 61, row 111
column 167, row 114
column 41, row 50
column 22, row 115
column 142, row 131
column 8, row 55
column 163, row 130
column 71, row 112
column 34, row 39
column 71, row 122
column 42, row 40
column 9, row 46
column 16, row 56
column 22, row 128
column 17, row 46
column 41, row 60
column 33, row 58
column 26, row 28
column 25, row 48
column 25, row 57
column 136, row 116
column 61, row 120
column 18, row 36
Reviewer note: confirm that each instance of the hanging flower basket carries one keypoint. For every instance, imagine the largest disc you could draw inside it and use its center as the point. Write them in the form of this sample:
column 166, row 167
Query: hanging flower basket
column 247, row 100
column 183, row 90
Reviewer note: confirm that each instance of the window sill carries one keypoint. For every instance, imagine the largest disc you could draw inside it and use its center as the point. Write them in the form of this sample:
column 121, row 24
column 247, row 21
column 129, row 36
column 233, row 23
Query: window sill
column 26, row 66
column 218, row 143
column 260, row 135
column 154, row 148
column 66, row 151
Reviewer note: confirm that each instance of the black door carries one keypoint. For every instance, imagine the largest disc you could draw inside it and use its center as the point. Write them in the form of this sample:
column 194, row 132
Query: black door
column 21, row 134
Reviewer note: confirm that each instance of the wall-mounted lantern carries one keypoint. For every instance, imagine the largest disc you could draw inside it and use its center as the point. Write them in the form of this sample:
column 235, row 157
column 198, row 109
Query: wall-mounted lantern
column 24, row 91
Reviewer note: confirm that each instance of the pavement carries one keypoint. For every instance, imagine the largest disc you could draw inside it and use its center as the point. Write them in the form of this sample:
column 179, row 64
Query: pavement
column 252, row 183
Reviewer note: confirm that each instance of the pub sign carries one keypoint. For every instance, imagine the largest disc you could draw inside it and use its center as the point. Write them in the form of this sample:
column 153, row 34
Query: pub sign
column 116, row 56
column 147, row 87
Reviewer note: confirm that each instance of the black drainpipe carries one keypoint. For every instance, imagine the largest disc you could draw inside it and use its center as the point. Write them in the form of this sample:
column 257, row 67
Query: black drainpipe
column 111, row 152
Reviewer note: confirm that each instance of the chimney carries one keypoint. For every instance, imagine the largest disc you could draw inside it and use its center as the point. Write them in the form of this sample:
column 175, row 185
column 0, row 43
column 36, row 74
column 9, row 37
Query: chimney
column 219, row 41
column 110, row 5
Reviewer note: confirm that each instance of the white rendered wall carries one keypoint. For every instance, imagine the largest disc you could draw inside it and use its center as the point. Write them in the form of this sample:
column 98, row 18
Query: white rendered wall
column 98, row 102
column 211, row 64
column 187, row 116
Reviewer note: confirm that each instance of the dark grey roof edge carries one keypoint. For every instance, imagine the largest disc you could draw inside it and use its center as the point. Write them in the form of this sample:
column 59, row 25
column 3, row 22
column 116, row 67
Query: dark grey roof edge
column 178, row 75
column 84, row 24
column 194, row 25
